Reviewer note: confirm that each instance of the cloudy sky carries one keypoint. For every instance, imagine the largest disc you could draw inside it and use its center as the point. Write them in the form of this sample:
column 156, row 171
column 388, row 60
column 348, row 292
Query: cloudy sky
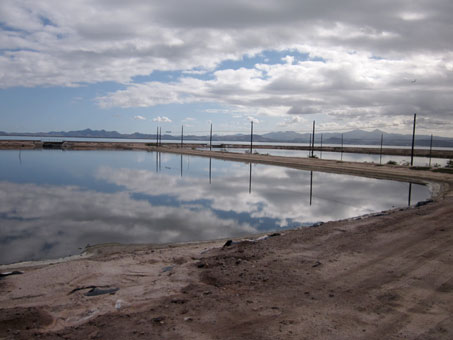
column 132, row 65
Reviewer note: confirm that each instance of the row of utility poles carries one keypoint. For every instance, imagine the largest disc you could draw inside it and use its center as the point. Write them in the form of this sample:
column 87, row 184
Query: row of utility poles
column 311, row 141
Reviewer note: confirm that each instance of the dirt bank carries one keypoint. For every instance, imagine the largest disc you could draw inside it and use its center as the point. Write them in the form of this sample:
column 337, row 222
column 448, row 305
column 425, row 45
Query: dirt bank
column 386, row 276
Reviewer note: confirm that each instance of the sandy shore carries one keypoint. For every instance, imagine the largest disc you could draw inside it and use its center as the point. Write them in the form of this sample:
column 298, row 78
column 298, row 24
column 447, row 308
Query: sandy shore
column 386, row 276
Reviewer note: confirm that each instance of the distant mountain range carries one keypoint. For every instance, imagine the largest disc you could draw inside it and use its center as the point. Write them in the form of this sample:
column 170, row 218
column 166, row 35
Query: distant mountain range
column 354, row 137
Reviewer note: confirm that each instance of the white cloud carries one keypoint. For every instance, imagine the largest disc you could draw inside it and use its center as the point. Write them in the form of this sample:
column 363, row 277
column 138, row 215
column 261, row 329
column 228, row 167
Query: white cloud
column 288, row 59
column 293, row 122
column 92, row 41
column 253, row 119
column 162, row 119
column 367, row 49
column 357, row 86
column 138, row 117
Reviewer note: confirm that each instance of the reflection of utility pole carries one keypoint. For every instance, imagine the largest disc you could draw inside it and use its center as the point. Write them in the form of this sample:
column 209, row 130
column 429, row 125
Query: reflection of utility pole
column 181, row 165
column 20, row 157
column 409, row 196
column 209, row 170
column 157, row 161
column 311, row 185
column 413, row 140
column 250, row 179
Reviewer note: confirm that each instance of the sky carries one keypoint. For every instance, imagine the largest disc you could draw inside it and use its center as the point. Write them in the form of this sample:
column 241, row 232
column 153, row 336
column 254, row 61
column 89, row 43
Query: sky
column 133, row 65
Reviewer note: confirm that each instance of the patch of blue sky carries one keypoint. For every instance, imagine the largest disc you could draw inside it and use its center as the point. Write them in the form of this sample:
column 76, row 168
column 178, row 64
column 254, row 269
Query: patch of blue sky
column 172, row 76
column 7, row 28
column 11, row 51
column 269, row 57
column 317, row 58
column 158, row 76
column 46, row 21
column 53, row 108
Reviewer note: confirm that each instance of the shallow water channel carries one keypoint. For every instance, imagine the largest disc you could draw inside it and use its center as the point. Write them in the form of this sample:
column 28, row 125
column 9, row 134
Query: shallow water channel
column 53, row 203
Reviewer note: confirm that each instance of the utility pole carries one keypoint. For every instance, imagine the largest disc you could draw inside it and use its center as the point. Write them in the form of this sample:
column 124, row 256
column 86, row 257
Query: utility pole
column 160, row 136
column 313, row 141
column 320, row 156
column 430, row 149
column 210, row 139
column 251, row 137
column 341, row 147
column 413, row 140
column 182, row 134
column 157, row 136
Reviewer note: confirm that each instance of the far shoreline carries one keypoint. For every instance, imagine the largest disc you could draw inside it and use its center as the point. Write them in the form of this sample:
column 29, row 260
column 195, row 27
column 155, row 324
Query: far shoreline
column 17, row 144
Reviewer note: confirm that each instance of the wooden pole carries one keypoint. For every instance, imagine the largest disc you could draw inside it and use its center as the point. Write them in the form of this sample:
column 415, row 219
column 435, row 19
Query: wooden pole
column 320, row 156
column 210, row 139
column 413, row 140
column 251, row 137
column 430, row 149
column 182, row 134
column 313, row 141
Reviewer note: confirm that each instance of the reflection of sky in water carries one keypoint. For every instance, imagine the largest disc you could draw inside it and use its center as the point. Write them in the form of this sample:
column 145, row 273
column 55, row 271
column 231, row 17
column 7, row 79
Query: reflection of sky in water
column 52, row 203
column 347, row 157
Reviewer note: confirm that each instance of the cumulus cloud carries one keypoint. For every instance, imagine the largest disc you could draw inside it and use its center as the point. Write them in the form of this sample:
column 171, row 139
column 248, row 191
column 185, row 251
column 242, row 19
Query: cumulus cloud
column 138, row 117
column 357, row 86
column 162, row 119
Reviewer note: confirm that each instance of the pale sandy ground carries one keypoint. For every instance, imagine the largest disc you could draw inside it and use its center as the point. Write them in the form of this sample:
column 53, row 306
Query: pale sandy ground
column 387, row 276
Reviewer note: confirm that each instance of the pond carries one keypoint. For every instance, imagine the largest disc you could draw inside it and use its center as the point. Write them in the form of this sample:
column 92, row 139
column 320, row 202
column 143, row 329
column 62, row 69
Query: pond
column 54, row 203
column 345, row 156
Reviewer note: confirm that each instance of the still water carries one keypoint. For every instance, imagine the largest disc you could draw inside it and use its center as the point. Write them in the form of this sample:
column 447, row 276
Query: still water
column 53, row 203
column 347, row 157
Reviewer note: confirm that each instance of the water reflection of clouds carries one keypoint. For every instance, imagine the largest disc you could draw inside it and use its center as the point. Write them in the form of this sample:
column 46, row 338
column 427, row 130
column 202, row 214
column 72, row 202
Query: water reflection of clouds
column 278, row 193
column 52, row 221
column 138, row 204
